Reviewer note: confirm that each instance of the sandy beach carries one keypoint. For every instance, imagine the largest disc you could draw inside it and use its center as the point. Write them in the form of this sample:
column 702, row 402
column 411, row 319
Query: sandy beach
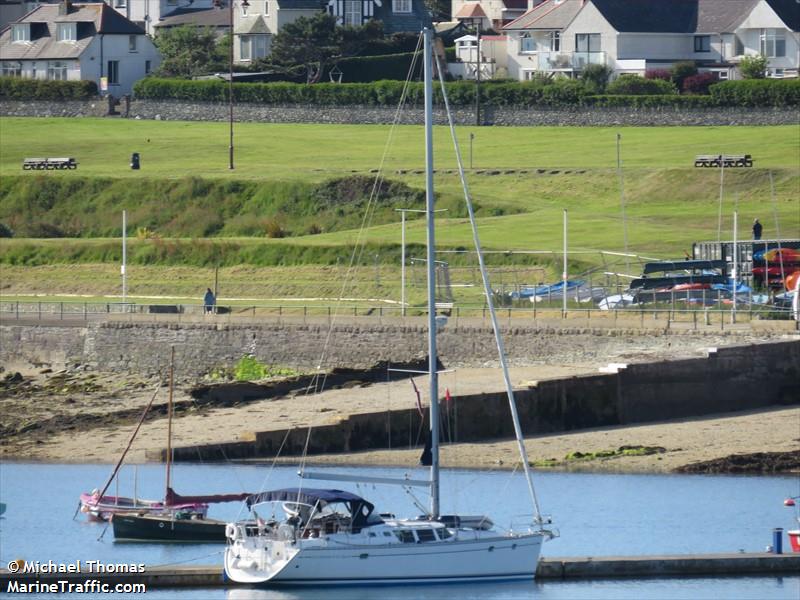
column 89, row 417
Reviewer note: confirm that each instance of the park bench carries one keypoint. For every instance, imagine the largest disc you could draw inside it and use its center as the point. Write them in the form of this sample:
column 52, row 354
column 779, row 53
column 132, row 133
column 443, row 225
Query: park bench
column 49, row 164
column 723, row 160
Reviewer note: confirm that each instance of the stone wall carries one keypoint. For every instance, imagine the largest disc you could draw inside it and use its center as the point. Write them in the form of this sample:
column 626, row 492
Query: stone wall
column 728, row 380
column 258, row 113
column 143, row 347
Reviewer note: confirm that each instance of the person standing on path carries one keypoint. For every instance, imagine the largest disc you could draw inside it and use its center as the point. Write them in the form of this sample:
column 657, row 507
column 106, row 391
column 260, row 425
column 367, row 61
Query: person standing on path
column 209, row 301
column 756, row 229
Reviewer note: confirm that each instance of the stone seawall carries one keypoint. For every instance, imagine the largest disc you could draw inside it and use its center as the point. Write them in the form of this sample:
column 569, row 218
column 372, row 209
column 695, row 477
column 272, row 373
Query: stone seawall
column 491, row 115
column 143, row 347
column 727, row 380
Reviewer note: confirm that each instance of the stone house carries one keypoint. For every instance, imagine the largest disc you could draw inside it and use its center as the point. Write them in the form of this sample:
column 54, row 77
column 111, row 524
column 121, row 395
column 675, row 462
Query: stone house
column 632, row 36
column 86, row 41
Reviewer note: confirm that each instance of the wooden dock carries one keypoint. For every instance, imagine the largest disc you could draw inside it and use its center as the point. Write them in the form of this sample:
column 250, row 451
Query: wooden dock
column 591, row 567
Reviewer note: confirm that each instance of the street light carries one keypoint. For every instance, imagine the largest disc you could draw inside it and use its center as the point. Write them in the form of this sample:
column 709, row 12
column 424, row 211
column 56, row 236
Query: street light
column 245, row 5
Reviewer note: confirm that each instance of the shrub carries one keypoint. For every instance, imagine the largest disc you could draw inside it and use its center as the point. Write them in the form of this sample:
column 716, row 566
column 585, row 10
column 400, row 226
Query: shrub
column 18, row 88
column 682, row 70
column 274, row 229
column 753, row 67
column 595, row 78
column 757, row 92
column 658, row 74
column 635, row 85
column 699, row 84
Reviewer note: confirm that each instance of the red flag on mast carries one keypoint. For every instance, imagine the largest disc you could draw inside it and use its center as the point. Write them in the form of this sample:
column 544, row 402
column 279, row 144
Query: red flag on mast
column 448, row 398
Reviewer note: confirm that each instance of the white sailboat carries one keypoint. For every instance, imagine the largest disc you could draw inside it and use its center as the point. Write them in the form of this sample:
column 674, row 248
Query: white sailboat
column 329, row 536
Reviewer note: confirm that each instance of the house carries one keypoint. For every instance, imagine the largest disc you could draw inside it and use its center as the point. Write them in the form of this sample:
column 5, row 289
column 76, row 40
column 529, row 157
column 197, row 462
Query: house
column 149, row 13
column 633, row 36
column 493, row 57
column 87, row 41
column 493, row 14
column 396, row 15
column 255, row 24
column 214, row 19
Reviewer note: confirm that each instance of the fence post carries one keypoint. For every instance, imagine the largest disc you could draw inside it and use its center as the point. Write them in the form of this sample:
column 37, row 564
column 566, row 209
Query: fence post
column 84, row 312
column 40, row 310
column 62, row 310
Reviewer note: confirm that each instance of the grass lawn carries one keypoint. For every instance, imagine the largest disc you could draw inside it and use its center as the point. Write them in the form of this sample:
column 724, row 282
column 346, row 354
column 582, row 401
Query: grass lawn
column 669, row 204
column 175, row 149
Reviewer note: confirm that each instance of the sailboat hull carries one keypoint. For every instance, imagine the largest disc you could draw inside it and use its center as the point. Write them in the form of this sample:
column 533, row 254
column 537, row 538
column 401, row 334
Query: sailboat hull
column 293, row 563
column 153, row 528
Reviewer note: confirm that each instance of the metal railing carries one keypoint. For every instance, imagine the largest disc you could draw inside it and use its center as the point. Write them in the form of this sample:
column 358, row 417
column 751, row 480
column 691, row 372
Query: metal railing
column 653, row 315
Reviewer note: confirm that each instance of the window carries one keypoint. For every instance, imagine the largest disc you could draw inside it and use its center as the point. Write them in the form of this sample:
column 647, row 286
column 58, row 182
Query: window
column 702, row 43
column 113, row 72
column 587, row 42
column 66, row 32
column 21, row 32
column 120, row 3
column 57, row 70
column 352, row 13
column 526, row 43
column 555, row 41
column 772, row 43
column 401, row 6
column 266, row 8
column 426, row 535
column 12, row 68
column 132, row 43
column 147, row 67
column 738, row 46
column 405, row 536
column 253, row 47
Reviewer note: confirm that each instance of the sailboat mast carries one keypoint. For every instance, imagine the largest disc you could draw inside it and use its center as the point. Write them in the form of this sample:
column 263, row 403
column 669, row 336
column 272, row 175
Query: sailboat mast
column 169, row 416
column 431, row 259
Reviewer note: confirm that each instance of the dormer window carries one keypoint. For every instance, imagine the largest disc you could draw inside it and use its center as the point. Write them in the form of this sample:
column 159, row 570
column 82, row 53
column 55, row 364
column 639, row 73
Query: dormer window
column 401, row 6
column 67, row 32
column 21, row 32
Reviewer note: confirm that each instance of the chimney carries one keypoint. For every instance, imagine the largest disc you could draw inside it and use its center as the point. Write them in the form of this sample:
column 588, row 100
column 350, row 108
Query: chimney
column 64, row 7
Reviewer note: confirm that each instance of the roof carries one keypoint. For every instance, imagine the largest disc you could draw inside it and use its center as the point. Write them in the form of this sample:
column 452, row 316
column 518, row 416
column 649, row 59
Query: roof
column 494, row 38
column 105, row 19
column 674, row 16
column 199, row 17
column 549, row 15
column 251, row 25
column 470, row 11
column 788, row 11
column 91, row 19
column 300, row 4
column 657, row 16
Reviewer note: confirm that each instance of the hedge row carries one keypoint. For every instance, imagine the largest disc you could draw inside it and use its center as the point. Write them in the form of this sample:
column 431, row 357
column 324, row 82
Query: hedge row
column 757, row 92
column 362, row 69
column 18, row 88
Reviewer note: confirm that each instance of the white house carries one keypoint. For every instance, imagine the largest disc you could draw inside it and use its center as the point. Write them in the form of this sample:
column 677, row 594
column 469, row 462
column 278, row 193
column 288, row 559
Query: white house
column 148, row 13
column 492, row 14
column 67, row 41
column 255, row 25
column 632, row 36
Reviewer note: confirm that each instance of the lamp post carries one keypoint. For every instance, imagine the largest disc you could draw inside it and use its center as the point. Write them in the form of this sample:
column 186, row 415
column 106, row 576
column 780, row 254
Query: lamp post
column 245, row 5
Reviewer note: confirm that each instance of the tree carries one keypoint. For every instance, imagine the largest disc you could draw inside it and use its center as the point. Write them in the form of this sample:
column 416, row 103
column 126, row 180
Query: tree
column 682, row 70
column 753, row 67
column 187, row 51
column 309, row 42
column 595, row 78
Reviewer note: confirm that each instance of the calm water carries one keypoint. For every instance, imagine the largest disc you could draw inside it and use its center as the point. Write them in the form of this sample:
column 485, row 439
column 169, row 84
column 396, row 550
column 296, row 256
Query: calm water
column 597, row 515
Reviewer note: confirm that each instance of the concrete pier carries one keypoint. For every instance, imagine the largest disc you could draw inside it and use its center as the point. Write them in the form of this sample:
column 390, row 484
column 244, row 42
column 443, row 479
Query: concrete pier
column 591, row 567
